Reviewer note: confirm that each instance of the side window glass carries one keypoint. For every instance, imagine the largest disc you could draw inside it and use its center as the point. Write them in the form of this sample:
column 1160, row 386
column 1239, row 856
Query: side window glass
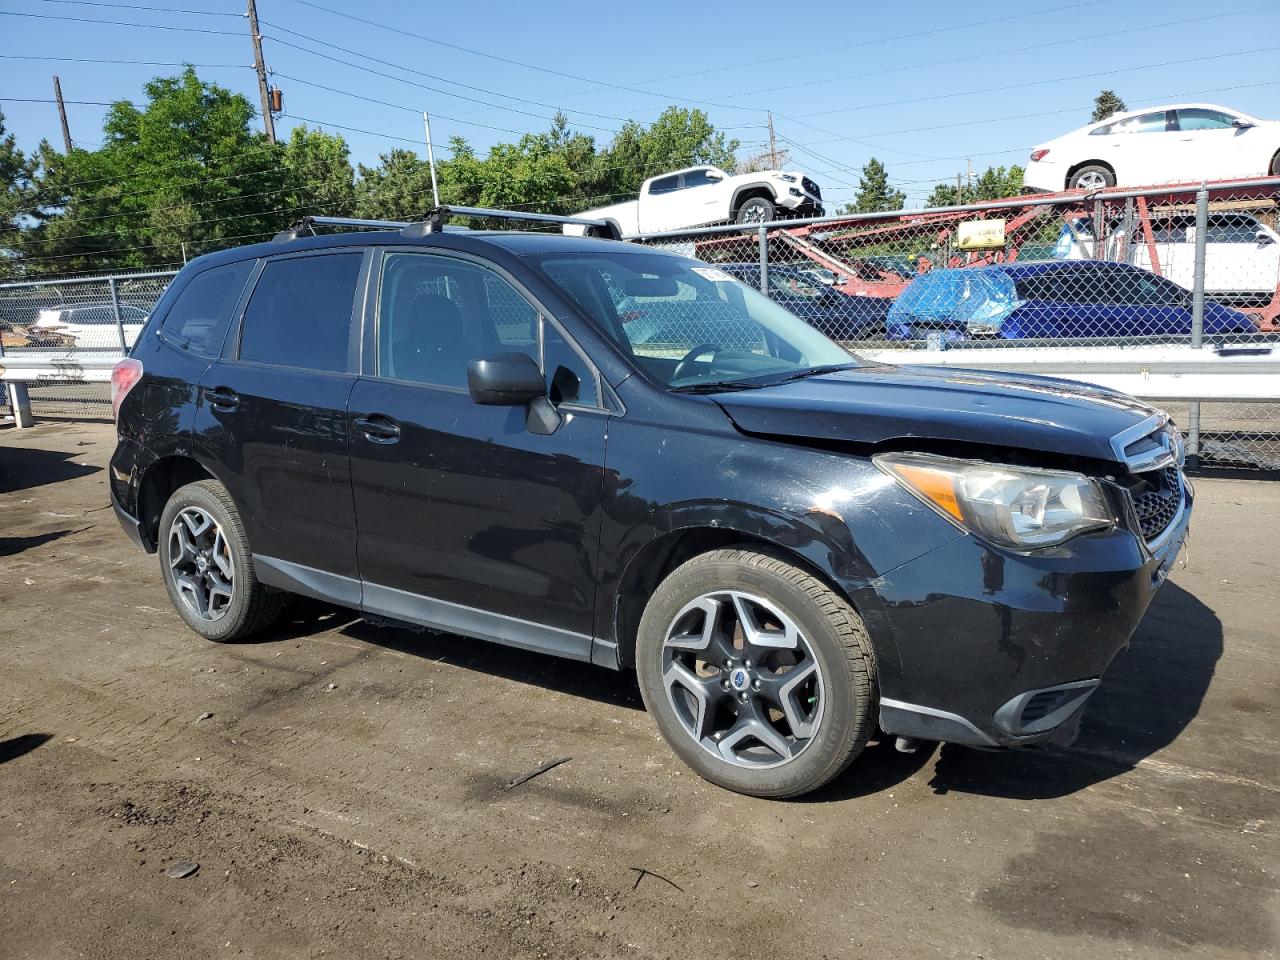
column 697, row 178
column 515, row 320
column 569, row 378
column 300, row 312
column 437, row 314
column 198, row 319
column 1145, row 123
column 664, row 185
column 1196, row 118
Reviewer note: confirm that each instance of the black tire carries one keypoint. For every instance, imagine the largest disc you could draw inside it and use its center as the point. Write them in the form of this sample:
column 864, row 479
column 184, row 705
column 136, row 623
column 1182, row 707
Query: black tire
column 1091, row 173
column 756, row 210
column 1275, row 165
column 835, row 635
column 252, row 606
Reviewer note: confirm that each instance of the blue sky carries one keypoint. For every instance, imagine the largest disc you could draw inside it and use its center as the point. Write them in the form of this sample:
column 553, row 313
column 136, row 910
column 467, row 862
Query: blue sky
column 923, row 86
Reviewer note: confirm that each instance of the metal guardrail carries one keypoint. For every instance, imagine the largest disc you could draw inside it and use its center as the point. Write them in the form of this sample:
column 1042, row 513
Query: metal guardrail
column 1156, row 374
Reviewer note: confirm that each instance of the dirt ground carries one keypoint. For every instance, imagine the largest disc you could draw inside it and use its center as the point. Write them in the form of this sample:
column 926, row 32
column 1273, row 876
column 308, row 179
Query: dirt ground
column 344, row 786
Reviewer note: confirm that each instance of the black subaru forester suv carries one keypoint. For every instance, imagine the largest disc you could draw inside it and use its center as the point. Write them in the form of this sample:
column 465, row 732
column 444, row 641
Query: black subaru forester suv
column 618, row 455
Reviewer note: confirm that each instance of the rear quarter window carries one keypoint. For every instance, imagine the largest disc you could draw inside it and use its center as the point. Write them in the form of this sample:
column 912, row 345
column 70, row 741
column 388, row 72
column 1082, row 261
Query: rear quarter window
column 199, row 318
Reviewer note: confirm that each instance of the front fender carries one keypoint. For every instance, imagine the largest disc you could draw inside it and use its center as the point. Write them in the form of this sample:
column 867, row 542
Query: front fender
column 819, row 542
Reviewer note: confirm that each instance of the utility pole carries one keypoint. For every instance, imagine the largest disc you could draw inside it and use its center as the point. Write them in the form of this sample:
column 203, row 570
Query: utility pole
column 260, row 66
column 773, row 145
column 969, row 174
column 62, row 113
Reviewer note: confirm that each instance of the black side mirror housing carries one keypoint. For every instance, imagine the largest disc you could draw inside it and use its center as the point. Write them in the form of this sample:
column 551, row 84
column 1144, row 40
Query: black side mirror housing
column 512, row 380
column 505, row 379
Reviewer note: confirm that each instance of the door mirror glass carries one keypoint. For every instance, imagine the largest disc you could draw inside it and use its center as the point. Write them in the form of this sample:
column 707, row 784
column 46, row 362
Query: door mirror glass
column 505, row 379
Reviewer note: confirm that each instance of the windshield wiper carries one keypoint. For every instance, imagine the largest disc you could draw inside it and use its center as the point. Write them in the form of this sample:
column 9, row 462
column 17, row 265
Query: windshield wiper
column 811, row 372
column 717, row 386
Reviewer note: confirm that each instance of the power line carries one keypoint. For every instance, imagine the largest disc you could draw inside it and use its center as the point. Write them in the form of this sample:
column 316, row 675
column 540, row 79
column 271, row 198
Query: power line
column 141, row 63
column 139, row 6
column 950, row 28
column 118, row 23
column 421, row 73
column 1035, row 83
column 518, row 63
column 83, row 103
column 1145, row 28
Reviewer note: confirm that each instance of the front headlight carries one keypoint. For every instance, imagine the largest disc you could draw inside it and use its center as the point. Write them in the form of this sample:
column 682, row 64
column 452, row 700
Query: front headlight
column 1018, row 507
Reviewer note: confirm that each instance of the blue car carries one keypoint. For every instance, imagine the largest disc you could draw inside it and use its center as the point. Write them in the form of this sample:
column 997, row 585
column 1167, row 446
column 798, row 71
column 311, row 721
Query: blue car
column 1051, row 299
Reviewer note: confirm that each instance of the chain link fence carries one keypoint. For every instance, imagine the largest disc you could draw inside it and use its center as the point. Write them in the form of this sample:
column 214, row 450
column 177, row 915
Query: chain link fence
column 84, row 316
column 1175, row 266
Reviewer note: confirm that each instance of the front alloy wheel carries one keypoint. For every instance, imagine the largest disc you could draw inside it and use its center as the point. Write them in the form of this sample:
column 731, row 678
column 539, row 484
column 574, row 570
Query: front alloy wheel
column 759, row 676
column 742, row 679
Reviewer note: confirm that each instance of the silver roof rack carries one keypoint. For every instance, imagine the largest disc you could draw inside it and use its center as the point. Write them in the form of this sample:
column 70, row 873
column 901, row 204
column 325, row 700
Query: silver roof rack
column 434, row 222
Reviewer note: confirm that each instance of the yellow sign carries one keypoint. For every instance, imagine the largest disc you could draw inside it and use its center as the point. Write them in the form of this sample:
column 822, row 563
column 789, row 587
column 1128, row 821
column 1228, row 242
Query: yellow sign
column 980, row 234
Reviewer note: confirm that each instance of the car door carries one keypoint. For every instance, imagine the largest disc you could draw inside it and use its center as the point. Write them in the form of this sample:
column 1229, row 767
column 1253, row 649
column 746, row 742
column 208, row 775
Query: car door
column 272, row 418
column 702, row 197
column 1141, row 149
column 1215, row 148
column 468, row 519
column 662, row 206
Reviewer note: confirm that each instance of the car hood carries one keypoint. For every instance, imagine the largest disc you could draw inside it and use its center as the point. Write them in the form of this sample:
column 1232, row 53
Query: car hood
column 879, row 403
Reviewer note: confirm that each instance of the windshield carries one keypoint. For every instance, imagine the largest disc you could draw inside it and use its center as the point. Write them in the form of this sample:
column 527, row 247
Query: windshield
column 689, row 324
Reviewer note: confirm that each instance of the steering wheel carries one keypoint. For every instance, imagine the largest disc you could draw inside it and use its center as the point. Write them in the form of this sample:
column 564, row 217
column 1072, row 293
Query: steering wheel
column 692, row 355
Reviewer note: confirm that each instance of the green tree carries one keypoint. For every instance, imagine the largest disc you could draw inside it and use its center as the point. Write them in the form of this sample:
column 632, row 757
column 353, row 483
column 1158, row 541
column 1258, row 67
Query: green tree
column 678, row 138
column 874, row 193
column 994, row 183
column 17, row 198
column 398, row 188
column 183, row 170
column 1105, row 105
column 318, row 170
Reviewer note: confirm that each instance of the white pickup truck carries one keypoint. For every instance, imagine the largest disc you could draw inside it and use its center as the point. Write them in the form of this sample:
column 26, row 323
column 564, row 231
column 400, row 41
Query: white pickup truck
column 700, row 196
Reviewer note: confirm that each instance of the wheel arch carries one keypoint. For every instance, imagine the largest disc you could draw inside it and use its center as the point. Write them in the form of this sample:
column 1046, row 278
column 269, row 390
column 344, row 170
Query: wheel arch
column 1071, row 171
column 748, row 192
column 157, row 484
column 658, row 557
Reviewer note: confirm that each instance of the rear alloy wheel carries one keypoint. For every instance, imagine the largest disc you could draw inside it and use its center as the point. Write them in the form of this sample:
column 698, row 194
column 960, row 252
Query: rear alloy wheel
column 208, row 567
column 1092, row 177
column 758, row 675
column 756, row 210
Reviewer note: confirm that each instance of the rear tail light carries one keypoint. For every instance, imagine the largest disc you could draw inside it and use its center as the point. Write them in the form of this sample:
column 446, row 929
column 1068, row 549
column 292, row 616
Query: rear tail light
column 1038, row 155
column 124, row 375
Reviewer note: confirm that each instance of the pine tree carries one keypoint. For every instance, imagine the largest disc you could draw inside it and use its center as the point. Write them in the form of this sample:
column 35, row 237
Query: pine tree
column 874, row 193
column 1106, row 104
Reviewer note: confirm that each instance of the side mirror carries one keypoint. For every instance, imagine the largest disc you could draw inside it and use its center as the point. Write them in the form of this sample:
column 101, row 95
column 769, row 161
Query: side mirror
column 1242, row 124
column 714, row 175
column 505, row 379
column 513, row 380
column 1264, row 238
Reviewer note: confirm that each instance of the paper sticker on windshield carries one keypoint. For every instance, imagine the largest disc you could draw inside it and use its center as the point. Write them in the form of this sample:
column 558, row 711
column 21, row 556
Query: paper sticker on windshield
column 713, row 273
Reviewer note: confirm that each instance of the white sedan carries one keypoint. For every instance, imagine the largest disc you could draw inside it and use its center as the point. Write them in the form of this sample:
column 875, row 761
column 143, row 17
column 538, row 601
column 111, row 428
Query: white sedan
column 1183, row 143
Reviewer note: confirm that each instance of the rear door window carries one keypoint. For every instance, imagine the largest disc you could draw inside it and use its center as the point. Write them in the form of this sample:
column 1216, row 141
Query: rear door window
column 664, row 185
column 300, row 313
column 199, row 318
